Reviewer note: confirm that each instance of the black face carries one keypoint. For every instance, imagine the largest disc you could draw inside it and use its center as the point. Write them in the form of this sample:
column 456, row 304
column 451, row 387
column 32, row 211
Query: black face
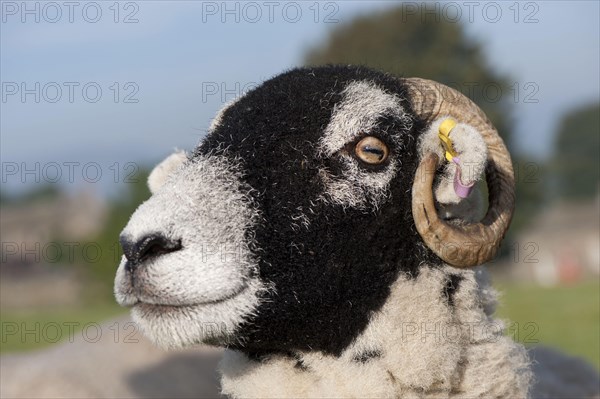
column 331, row 276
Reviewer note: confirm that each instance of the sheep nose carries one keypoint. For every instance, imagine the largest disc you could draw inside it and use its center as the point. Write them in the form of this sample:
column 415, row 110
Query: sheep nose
column 149, row 246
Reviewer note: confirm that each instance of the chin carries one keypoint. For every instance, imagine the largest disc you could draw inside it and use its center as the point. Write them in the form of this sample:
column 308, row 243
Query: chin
column 215, row 323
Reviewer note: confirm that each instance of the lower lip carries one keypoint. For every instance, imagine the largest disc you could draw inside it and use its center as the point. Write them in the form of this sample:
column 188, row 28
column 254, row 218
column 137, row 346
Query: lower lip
column 161, row 308
column 167, row 307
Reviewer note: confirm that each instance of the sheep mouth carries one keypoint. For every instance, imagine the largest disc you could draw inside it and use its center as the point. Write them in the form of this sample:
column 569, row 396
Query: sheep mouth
column 165, row 307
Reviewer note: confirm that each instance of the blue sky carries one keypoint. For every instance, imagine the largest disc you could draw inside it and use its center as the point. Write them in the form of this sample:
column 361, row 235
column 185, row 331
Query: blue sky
column 180, row 55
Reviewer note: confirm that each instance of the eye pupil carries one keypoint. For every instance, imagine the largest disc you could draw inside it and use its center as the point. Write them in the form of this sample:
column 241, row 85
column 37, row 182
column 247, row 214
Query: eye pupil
column 371, row 150
column 377, row 151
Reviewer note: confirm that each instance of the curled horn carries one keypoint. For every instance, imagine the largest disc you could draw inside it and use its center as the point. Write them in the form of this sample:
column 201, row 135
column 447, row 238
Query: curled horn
column 475, row 243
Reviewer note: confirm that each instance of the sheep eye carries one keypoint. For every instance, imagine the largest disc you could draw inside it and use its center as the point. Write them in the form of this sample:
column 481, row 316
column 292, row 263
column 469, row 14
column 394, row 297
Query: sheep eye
column 371, row 150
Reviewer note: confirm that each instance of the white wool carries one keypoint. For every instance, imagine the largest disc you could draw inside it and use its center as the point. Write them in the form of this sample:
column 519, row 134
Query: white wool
column 163, row 170
column 359, row 113
column 210, row 286
column 472, row 151
column 427, row 351
column 358, row 187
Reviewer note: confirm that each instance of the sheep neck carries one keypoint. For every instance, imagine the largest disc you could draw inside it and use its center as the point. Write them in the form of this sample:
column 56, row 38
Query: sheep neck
column 434, row 337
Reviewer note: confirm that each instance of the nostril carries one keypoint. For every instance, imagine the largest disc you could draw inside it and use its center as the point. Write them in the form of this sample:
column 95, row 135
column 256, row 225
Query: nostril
column 147, row 247
column 156, row 245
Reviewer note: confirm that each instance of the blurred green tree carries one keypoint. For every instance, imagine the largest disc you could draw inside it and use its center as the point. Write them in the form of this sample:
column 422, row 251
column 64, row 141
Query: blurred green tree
column 576, row 154
column 40, row 192
column 423, row 44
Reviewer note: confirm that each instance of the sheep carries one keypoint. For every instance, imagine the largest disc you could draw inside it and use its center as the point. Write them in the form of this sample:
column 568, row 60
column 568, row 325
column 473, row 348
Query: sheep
column 318, row 233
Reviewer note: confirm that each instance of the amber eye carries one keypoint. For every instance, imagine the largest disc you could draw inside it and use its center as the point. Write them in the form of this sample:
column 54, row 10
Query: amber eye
column 371, row 150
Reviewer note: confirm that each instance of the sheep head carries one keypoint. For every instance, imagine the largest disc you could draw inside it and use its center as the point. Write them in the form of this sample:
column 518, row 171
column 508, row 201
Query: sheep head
column 287, row 226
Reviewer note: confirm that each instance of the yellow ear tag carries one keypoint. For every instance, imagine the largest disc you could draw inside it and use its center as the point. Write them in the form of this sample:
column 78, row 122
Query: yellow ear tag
column 444, row 134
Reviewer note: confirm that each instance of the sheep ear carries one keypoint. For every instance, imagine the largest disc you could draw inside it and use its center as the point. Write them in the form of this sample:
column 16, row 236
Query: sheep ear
column 455, row 200
column 161, row 172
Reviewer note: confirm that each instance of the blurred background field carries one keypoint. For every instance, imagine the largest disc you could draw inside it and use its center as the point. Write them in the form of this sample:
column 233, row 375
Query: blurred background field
column 564, row 317
column 59, row 236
